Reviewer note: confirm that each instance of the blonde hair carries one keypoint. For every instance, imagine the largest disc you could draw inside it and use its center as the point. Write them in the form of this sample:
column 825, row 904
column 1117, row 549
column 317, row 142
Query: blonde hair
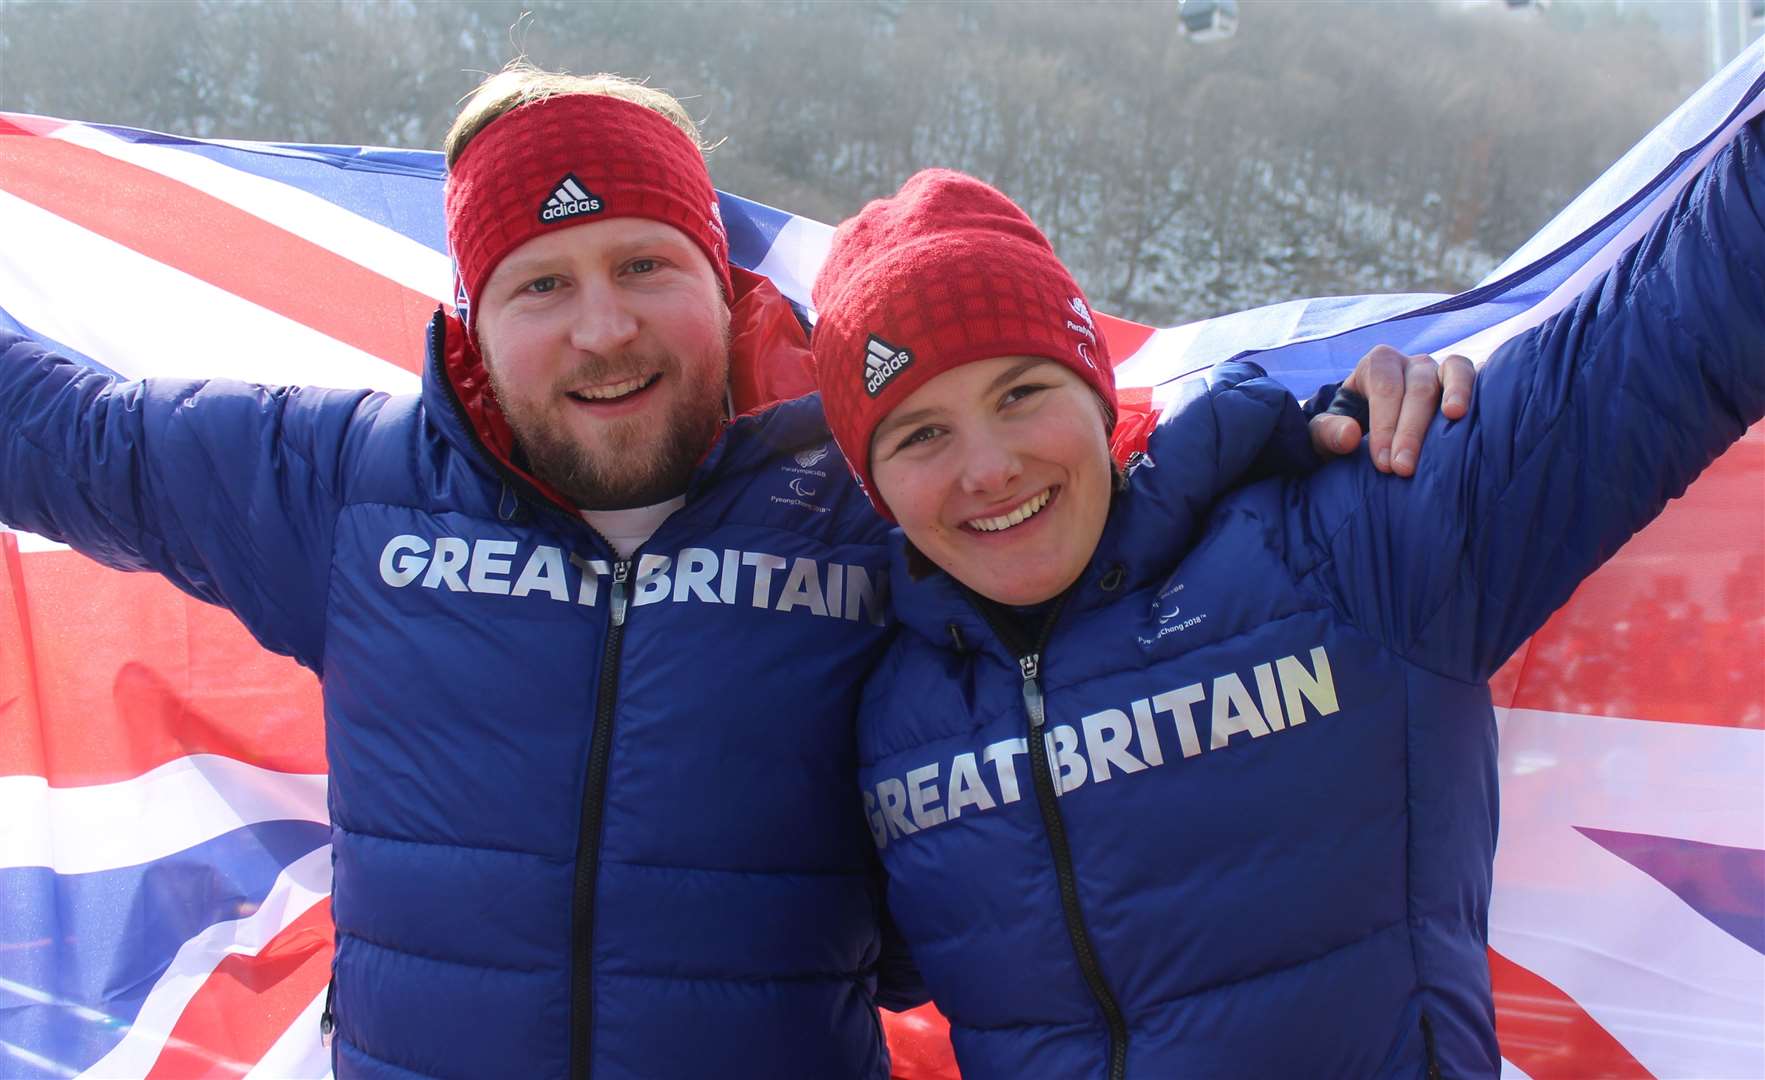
column 520, row 83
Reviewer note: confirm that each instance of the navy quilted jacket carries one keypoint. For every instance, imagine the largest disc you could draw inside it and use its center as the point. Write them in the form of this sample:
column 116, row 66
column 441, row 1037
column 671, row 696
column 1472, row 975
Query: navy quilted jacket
column 590, row 818
column 1230, row 810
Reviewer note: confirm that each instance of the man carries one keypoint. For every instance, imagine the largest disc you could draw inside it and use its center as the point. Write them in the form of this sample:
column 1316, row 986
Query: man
column 590, row 647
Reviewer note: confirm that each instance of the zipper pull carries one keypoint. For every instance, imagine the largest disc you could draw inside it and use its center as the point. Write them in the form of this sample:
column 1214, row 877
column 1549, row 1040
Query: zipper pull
column 328, row 1022
column 1030, row 665
column 621, row 571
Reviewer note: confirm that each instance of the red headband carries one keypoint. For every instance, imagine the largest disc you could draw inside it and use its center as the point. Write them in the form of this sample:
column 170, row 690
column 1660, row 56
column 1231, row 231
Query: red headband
column 571, row 159
column 945, row 272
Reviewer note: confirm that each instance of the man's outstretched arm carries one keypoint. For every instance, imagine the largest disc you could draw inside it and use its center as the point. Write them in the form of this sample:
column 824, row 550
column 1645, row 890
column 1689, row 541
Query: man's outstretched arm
column 227, row 489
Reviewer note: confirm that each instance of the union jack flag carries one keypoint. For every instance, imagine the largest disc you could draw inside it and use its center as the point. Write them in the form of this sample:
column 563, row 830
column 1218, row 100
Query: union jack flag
column 164, row 847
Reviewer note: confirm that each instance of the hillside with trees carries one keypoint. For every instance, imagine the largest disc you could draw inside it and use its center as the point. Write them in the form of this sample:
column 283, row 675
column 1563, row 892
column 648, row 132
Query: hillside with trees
column 1327, row 148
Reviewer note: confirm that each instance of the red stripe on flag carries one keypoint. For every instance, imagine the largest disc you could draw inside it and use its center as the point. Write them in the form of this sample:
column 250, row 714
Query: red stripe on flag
column 21, row 752
column 1547, row 1035
column 215, row 241
column 25, row 124
column 120, row 673
column 1124, row 337
column 1673, row 627
column 919, row 1045
column 249, row 1002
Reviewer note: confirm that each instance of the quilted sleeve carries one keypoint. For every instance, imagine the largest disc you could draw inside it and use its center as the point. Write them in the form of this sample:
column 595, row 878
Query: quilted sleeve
column 1580, row 431
column 229, row 490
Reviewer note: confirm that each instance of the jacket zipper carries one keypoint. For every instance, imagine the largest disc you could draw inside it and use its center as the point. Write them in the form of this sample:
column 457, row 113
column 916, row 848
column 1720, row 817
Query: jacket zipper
column 588, row 841
column 328, row 1018
column 1029, row 663
column 520, row 484
column 1433, row 1072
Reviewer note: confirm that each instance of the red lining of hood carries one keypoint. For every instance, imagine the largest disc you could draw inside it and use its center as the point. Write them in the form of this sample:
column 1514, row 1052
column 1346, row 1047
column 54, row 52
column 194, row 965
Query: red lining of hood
column 464, row 367
column 1134, row 420
column 769, row 362
column 769, row 357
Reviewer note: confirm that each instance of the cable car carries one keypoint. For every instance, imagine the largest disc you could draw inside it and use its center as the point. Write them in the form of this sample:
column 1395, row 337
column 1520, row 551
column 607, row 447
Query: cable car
column 1208, row 20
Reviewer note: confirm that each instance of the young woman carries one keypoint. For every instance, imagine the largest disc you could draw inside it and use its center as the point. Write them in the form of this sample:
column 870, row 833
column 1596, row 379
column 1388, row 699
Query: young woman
column 1176, row 772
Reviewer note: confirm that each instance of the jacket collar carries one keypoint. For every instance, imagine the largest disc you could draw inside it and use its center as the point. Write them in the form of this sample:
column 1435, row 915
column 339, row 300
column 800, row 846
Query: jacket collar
column 1233, row 428
column 769, row 362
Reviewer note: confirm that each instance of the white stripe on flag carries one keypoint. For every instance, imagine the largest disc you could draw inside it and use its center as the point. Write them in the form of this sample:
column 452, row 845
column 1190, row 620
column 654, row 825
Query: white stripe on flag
column 298, row 1054
column 39, row 1064
column 182, row 803
column 796, row 255
column 1479, row 346
column 1158, row 357
column 1687, row 125
column 1681, row 994
column 297, row 889
column 383, row 250
column 157, row 320
column 32, row 542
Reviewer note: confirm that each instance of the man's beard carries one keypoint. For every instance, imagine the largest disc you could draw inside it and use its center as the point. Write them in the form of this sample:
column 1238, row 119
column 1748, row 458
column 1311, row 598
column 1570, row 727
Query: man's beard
column 639, row 460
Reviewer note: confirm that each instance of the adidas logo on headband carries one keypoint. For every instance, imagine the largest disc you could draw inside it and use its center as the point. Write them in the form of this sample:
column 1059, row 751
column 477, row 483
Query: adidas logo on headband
column 570, row 200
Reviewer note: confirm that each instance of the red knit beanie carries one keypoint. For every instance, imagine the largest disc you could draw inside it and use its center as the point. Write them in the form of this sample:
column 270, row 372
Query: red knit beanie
column 945, row 272
column 567, row 160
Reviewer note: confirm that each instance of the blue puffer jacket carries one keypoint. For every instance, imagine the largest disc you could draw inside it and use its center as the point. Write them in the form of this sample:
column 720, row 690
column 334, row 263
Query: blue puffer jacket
column 589, row 818
column 1230, row 809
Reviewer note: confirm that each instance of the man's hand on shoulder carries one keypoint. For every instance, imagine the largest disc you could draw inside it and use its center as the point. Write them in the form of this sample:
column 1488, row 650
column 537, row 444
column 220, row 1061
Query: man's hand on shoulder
column 1401, row 395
